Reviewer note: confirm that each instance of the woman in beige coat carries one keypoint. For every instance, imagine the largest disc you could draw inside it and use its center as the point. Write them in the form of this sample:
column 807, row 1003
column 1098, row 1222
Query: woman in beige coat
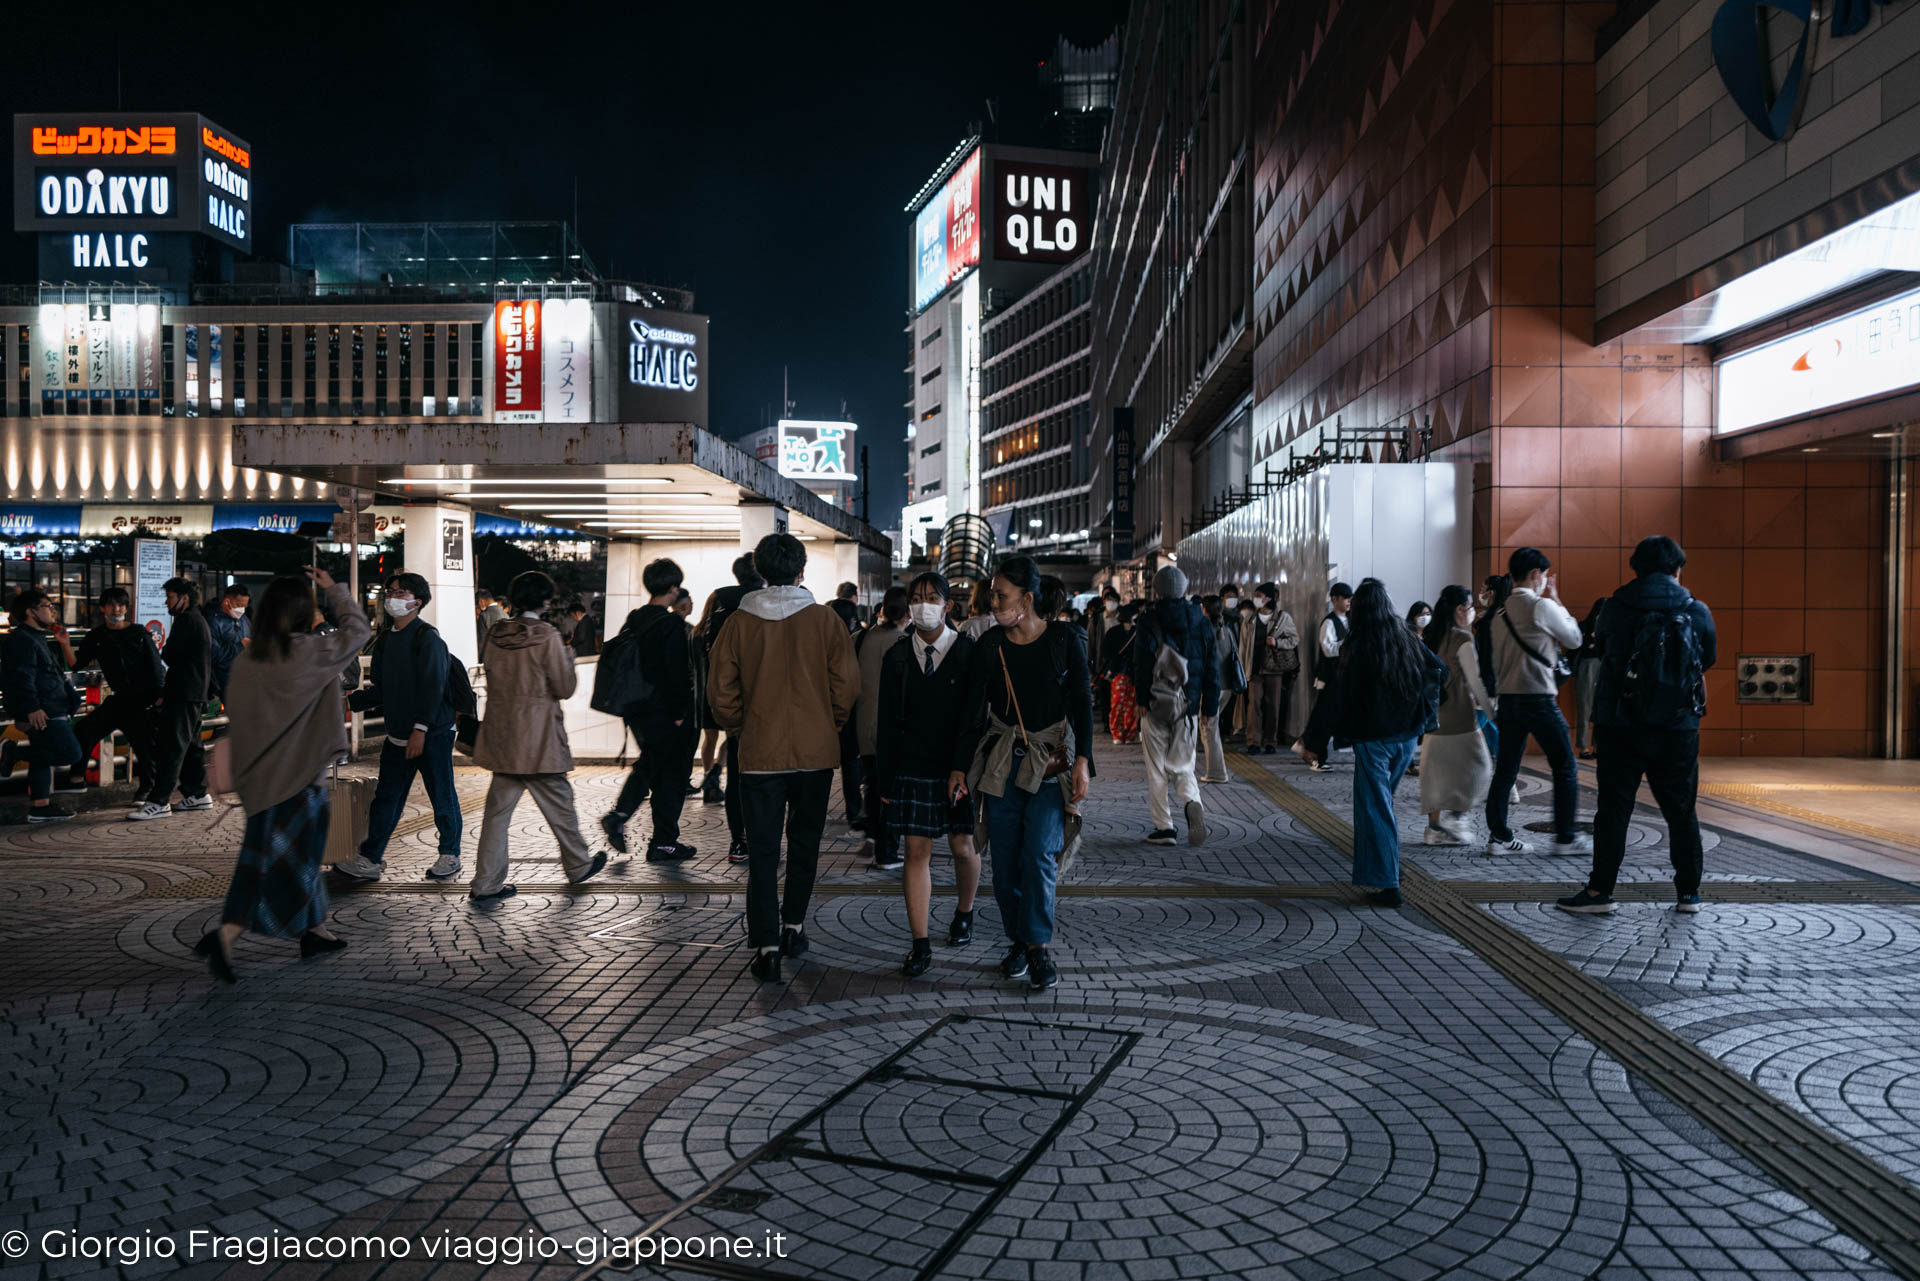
column 523, row 738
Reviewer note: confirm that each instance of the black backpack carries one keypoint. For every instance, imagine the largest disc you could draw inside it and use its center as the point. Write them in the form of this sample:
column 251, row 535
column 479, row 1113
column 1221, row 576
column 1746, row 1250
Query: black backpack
column 620, row 687
column 1664, row 683
column 460, row 695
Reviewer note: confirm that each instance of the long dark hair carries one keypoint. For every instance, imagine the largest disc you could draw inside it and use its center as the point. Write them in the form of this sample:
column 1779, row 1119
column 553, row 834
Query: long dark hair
column 284, row 612
column 1380, row 655
column 1452, row 597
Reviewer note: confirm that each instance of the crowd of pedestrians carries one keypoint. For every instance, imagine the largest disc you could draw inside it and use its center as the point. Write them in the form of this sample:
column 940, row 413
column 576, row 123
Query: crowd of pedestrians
column 951, row 714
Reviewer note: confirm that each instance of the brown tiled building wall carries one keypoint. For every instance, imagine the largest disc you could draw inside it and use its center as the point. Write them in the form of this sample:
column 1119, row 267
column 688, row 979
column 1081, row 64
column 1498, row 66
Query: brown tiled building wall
column 1448, row 194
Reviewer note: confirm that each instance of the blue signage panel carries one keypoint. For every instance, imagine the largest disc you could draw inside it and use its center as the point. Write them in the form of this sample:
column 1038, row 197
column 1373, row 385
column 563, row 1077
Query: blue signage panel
column 508, row 528
column 36, row 520
column 279, row 518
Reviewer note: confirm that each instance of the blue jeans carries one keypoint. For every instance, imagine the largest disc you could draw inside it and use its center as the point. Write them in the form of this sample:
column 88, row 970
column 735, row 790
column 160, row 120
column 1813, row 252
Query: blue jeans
column 1026, row 831
column 1377, row 769
column 435, row 766
column 1537, row 715
column 47, row 749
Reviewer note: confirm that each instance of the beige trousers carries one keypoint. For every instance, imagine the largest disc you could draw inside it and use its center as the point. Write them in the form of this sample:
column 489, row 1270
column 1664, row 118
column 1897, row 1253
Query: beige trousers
column 554, row 795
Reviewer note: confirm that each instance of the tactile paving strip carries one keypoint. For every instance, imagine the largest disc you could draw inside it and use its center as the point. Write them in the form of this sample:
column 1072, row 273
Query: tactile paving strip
column 1859, row 1196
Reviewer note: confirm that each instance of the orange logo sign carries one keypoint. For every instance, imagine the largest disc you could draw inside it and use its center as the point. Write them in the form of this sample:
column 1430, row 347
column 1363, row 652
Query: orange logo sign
column 214, row 142
column 1818, row 354
column 104, row 140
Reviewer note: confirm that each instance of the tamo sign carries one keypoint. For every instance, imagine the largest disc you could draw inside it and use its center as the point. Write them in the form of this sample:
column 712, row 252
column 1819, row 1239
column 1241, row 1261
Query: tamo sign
column 663, row 372
column 815, row 451
column 1042, row 213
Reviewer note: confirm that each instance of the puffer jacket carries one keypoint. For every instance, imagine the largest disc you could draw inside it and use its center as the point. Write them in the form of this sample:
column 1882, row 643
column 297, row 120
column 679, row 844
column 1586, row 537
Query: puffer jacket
column 530, row 673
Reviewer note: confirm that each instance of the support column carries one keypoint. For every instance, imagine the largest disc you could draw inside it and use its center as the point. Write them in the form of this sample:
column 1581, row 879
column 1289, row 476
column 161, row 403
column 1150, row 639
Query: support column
column 757, row 520
column 439, row 547
column 625, row 591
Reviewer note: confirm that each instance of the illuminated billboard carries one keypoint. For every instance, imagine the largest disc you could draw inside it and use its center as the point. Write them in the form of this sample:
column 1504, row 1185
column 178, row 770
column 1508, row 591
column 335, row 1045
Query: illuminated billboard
column 946, row 234
column 1864, row 355
column 108, row 182
column 542, row 360
column 1042, row 213
column 813, row 452
column 662, row 366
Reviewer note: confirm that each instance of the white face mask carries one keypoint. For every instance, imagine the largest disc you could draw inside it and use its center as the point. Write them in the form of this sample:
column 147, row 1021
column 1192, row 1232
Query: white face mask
column 1262, row 604
column 927, row 614
column 400, row 608
column 1228, row 602
column 1423, row 620
column 238, row 611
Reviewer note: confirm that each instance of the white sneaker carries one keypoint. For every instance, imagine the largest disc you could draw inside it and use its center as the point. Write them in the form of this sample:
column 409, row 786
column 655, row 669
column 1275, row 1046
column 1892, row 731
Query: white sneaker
column 361, row 868
column 1512, row 845
column 150, row 810
column 1513, row 797
column 200, row 802
column 1437, row 835
column 443, row 867
column 1578, row 845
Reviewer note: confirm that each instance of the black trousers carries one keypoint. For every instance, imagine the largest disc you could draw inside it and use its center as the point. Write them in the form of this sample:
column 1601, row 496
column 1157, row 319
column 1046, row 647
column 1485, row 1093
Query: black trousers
column 665, row 764
column 884, row 841
column 736, row 816
column 850, row 769
column 1669, row 759
column 135, row 720
column 797, row 801
column 178, row 758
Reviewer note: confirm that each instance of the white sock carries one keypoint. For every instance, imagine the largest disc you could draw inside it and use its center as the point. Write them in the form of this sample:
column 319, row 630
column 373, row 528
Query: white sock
column 765, row 950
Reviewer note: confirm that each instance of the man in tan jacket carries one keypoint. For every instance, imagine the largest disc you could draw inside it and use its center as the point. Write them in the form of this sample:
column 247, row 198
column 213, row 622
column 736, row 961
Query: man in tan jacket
column 782, row 677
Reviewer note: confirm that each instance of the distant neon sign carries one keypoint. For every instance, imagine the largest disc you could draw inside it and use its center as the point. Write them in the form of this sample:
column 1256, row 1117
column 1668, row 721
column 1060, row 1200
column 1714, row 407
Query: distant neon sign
column 663, row 358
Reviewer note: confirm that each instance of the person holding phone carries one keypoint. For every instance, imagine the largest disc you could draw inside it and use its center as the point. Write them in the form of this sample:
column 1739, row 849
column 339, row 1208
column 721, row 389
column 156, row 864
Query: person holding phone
column 1023, row 749
column 1532, row 629
column 922, row 693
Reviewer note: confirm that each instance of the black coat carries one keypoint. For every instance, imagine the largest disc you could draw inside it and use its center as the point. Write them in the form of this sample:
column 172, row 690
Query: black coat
column 1614, row 635
column 129, row 660
column 666, row 660
column 34, row 681
column 189, row 658
column 920, row 715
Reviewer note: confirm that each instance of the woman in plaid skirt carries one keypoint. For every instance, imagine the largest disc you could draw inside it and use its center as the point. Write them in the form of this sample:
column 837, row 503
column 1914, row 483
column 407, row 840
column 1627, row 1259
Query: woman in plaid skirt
column 923, row 690
column 288, row 725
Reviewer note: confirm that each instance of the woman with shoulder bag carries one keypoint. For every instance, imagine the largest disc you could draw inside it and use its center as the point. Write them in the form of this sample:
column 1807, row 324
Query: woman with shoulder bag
column 1275, row 667
column 286, row 728
column 1023, row 751
column 1455, row 764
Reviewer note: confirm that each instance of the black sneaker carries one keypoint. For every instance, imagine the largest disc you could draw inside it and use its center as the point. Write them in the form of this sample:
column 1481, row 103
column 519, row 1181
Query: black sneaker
column 1586, row 902
column 960, row 932
column 737, row 852
column 711, row 792
column 765, row 966
column 1014, row 964
column 614, row 825
column 48, row 814
column 793, row 941
column 9, row 748
column 64, row 785
column 1041, row 972
column 918, row 961
column 675, row 853
column 886, row 861
column 1162, row 836
column 1385, row 898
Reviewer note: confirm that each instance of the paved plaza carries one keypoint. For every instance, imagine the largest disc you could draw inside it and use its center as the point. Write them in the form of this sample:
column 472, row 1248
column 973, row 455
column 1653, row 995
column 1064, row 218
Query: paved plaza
column 1243, row 1072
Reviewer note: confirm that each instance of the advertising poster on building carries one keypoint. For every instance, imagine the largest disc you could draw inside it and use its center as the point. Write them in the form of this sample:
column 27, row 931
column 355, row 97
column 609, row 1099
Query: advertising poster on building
column 174, row 520
column 147, row 356
column 50, row 342
column 75, row 360
column 126, row 349
column 946, row 234
column 664, row 372
column 1042, row 213
column 816, row 451
column 567, row 338
column 1122, row 548
column 516, row 361
column 99, row 351
column 153, row 565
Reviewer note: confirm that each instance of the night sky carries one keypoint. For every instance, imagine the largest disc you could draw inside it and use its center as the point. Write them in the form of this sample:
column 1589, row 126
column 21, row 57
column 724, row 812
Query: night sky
column 757, row 154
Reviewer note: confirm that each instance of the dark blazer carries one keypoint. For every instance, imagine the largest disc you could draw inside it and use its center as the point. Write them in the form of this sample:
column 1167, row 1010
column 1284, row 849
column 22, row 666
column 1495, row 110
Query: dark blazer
column 189, row 658
column 920, row 715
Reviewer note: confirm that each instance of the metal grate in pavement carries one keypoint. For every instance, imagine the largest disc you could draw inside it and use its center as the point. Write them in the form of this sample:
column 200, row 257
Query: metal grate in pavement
column 1860, row 1197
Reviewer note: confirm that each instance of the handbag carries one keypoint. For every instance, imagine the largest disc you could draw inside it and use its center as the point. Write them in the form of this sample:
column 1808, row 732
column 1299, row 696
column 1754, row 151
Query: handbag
column 1058, row 761
column 466, row 730
column 1562, row 670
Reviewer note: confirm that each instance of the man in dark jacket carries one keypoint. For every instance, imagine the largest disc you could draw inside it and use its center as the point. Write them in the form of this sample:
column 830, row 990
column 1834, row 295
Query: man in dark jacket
column 1656, row 643
column 1173, row 631
column 408, row 677
column 230, row 631
column 40, row 701
column 130, row 662
column 725, row 601
column 178, row 758
column 664, row 728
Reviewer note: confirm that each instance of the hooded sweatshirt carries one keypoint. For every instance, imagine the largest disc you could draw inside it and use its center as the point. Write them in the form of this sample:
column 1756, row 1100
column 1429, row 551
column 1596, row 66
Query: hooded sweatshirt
column 783, row 678
column 530, row 673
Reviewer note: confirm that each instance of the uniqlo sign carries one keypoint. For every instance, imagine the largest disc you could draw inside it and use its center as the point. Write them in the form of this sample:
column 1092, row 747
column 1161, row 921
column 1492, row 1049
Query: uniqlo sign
column 516, row 362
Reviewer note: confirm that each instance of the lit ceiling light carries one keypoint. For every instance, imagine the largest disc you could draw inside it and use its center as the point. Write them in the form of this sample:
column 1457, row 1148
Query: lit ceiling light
column 1810, row 449
column 526, row 480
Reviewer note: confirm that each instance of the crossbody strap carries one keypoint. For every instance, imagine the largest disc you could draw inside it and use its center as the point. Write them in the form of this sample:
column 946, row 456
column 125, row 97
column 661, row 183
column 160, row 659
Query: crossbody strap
column 1013, row 698
column 1525, row 648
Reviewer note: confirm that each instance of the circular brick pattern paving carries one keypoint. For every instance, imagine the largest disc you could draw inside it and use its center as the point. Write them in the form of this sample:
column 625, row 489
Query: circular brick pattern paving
column 1732, row 943
column 1326, row 1148
column 1100, row 942
column 349, row 1086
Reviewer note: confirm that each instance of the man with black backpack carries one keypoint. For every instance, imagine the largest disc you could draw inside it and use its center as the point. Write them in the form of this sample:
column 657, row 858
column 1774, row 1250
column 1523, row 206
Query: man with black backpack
column 1178, row 677
column 653, row 667
column 415, row 685
column 1656, row 643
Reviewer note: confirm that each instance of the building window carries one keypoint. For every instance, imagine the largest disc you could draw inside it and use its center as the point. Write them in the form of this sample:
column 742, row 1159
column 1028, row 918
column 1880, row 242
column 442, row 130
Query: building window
column 239, row 371
column 479, row 379
column 406, row 369
column 166, row 371
column 453, row 369
column 380, row 370
column 190, row 356
column 311, row 358
column 359, row 354
column 429, row 355
column 930, row 450
column 333, row 371
column 262, row 371
column 930, row 413
column 929, row 377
